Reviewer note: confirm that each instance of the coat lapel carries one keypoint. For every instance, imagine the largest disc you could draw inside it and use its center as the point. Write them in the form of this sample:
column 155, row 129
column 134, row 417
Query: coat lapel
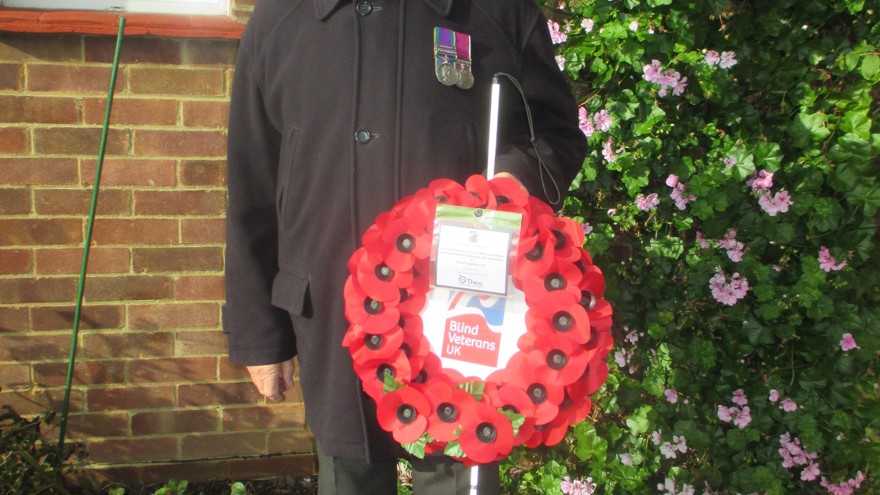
column 323, row 8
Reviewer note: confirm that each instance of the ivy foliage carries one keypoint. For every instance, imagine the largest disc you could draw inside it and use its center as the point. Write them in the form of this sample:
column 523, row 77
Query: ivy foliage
column 747, row 305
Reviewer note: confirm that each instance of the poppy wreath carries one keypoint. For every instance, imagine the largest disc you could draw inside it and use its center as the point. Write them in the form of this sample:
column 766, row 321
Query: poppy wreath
column 546, row 385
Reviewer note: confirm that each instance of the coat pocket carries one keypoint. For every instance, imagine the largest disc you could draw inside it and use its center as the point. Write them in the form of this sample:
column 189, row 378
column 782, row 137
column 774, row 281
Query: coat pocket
column 290, row 292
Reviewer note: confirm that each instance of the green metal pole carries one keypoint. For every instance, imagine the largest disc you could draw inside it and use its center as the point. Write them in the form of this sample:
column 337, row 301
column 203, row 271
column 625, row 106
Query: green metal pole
column 88, row 240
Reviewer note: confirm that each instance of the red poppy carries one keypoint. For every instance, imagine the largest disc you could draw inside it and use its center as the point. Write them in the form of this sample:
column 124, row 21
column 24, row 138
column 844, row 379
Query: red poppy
column 371, row 346
column 514, row 399
column 404, row 413
column 451, row 192
column 545, row 395
column 600, row 316
column 397, row 241
column 376, row 316
column 379, row 281
column 486, row 435
column 507, row 191
column 559, row 360
column 571, row 411
column 560, row 276
column 416, row 348
column 447, row 405
column 559, row 314
column 430, row 368
column 593, row 379
column 575, row 406
column 478, row 187
column 372, row 373
column 534, row 255
column 568, row 238
column 592, row 281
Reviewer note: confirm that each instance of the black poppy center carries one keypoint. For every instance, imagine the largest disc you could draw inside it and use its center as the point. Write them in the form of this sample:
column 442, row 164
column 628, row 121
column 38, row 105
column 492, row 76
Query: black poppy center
column 406, row 414
column 536, row 253
column 556, row 359
column 422, row 377
column 441, row 198
column 560, row 239
column 406, row 349
column 502, row 200
column 510, row 408
column 384, row 273
column 562, row 321
column 373, row 342
column 588, row 300
column 447, row 412
column 554, row 281
column 404, row 295
column 486, row 433
column 537, row 393
column 566, row 402
column 372, row 306
column 405, row 243
column 383, row 371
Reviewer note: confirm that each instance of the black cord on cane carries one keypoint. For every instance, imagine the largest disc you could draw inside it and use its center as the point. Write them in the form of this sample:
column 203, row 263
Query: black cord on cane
column 542, row 167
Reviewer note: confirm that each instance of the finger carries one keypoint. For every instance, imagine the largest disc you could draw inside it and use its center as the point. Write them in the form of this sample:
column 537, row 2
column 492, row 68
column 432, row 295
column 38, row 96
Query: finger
column 287, row 370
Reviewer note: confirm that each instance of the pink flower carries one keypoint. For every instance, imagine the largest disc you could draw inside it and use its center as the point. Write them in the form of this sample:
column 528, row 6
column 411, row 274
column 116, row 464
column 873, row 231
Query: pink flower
column 556, row 35
column 827, row 263
column 672, row 180
column 730, row 161
column 586, row 124
column 651, row 73
column 735, row 249
column 671, row 395
column 620, row 358
column 761, row 181
column 587, row 24
column 701, row 241
column 608, row 150
column 844, row 487
column 587, row 228
column 634, row 25
column 560, row 61
column 726, row 413
column 626, row 459
column 739, row 397
column 678, row 195
column 728, row 60
column 743, row 418
column 728, row 293
column 632, row 337
column 712, row 57
column 647, row 203
column 774, row 395
column 657, row 437
column 789, row 405
column 680, row 86
column 680, row 443
column 810, row 472
column 848, row 343
column 668, row 450
column 775, row 204
column 603, row 120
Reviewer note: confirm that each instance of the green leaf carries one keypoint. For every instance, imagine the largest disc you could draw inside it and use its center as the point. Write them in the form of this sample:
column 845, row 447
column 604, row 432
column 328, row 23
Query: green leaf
column 453, row 449
column 475, row 388
column 389, row 384
column 588, row 443
column 516, row 420
column 417, row 448
column 647, row 124
column 867, row 196
column 657, row 3
column 238, row 488
column 638, row 421
column 870, row 67
column 670, row 247
column 858, row 123
column 808, row 127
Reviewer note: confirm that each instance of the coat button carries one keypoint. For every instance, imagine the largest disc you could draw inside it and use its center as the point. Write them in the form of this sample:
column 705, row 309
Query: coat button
column 364, row 8
column 362, row 136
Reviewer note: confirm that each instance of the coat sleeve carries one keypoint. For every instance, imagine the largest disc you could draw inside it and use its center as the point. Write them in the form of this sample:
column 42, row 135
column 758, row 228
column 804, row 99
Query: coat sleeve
column 560, row 143
column 257, row 332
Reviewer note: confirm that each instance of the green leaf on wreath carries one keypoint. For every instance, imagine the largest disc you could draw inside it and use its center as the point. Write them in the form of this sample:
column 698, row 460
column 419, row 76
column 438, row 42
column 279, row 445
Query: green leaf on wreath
column 390, row 384
column 475, row 388
column 453, row 449
column 417, row 448
column 516, row 419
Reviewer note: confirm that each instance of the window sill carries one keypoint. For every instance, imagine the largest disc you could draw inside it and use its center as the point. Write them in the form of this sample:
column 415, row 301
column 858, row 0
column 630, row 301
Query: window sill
column 82, row 22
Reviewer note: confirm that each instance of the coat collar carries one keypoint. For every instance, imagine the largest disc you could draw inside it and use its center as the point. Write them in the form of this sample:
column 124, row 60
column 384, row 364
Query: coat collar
column 323, row 8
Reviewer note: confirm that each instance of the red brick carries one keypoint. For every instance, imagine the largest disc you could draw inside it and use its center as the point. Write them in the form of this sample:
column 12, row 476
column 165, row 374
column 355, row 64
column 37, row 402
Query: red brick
column 13, row 319
column 216, row 394
column 32, row 402
column 293, row 440
column 38, row 171
column 91, row 317
column 203, row 231
column 41, row 232
column 209, row 52
column 84, row 373
column 131, row 111
column 79, row 141
column 78, row 202
column 133, row 450
column 262, row 417
column 130, row 172
column 182, row 144
column 179, row 315
column 215, row 445
column 176, row 81
column 127, row 288
column 200, row 343
column 105, row 424
column 214, row 114
column 199, row 288
column 203, row 173
column 13, row 140
column 297, row 465
column 72, row 78
column 69, row 260
column 232, row 372
column 141, row 231
column 179, row 202
column 37, row 290
column 174, row 422
column 33, row 347
column 173, row 370
column 129, row 397
column 15, row 261
column 102, row 345
column 178, row 259
column 30, row 47
column 10, row 77
column 136, row 50
column 38, row 110
column 15, row 201
column 15, row 375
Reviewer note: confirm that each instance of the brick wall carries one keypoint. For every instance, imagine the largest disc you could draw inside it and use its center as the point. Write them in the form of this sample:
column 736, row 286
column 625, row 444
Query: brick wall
column 154, row 396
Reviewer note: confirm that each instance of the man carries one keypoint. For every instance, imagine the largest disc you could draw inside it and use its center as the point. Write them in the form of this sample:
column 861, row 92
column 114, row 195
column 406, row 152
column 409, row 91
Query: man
column 338, row 110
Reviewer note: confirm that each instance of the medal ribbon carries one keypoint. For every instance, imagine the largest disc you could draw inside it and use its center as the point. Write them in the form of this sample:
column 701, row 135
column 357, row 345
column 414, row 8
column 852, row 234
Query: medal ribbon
column 463, row 47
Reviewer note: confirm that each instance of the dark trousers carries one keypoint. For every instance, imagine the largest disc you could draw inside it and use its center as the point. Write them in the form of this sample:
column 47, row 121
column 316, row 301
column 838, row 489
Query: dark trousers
column 434, row 475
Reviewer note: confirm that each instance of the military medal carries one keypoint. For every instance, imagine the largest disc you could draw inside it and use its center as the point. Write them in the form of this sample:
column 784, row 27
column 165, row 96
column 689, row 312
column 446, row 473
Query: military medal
column 452, row 58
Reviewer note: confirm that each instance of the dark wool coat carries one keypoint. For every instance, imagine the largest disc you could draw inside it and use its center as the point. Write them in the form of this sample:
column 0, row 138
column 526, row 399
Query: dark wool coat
column 336, row 114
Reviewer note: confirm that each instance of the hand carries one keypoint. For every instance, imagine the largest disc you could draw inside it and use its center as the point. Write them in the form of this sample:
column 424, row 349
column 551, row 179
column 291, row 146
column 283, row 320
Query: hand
column 272, row 380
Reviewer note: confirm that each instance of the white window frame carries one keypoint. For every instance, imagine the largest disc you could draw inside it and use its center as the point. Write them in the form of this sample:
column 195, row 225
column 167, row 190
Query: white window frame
column 187, row 7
